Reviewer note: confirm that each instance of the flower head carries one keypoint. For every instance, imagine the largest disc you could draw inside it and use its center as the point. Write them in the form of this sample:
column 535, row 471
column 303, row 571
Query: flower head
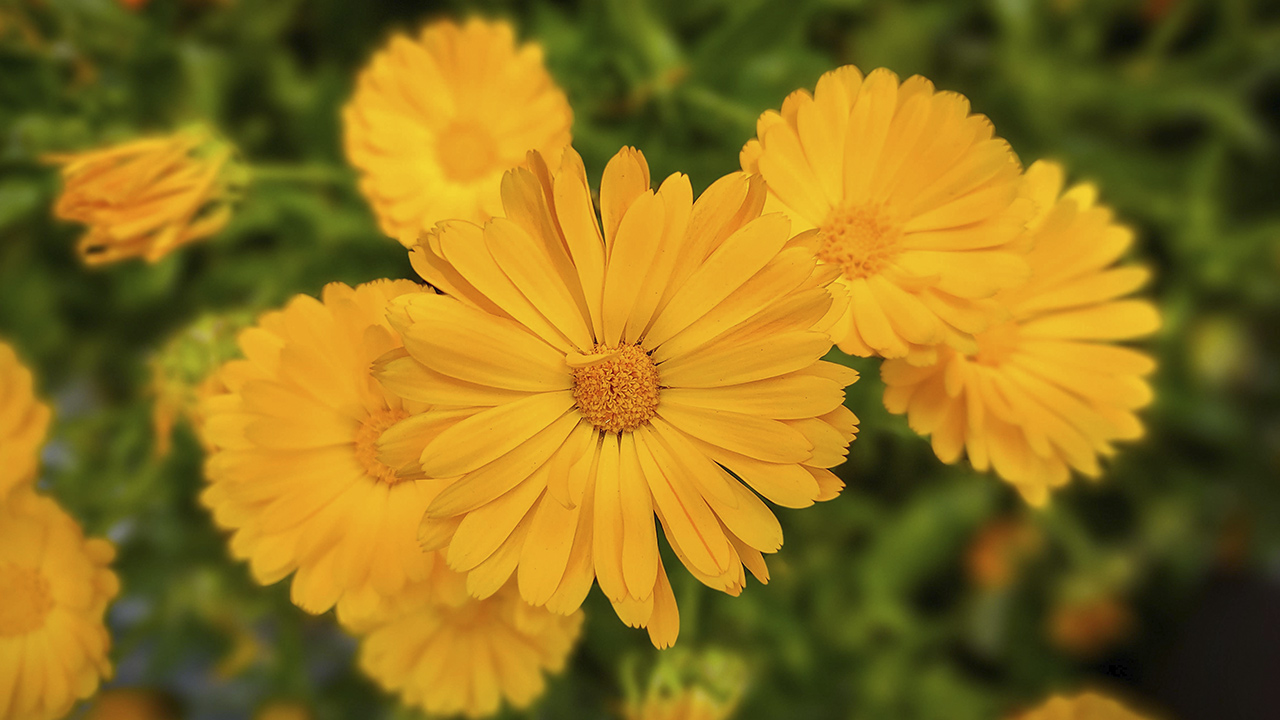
column 436, row 121
column 1047, row 390
column 295, row 473
column 1085, row 706
column 916, row 200
column 147, row 198
column 582, row 381
column 447, row 653
column 24, row 422
column 55, row 586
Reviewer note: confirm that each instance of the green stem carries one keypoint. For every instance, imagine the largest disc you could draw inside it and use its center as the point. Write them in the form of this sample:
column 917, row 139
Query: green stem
column 304, row 174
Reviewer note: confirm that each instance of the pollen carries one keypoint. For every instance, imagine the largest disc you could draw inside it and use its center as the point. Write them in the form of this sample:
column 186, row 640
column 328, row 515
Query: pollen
column 27, row 600
column 619, row 391
column 466, row 151
column 367, row 444
column 862, row 239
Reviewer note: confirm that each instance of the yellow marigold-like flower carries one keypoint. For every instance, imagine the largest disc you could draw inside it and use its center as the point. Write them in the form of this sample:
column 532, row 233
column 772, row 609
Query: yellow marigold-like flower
column 132, row 704
column 1085, row 706
column 148, row 197
column 295, row 473
column 434, row 123
column 55, row 586
column 1047, row 390
column 24, row 422
column 445, row 652
column 916, row 200
column 581, row 382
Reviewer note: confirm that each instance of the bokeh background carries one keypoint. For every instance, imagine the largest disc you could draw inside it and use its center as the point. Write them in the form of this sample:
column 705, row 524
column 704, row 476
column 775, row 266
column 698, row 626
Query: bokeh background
column 925, row 591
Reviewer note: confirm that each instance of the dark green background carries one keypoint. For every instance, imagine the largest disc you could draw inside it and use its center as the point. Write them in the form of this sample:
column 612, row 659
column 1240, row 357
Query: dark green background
column 1173, row 107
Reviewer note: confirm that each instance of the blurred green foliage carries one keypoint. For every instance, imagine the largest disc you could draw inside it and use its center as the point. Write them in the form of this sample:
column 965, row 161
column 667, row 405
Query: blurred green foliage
column 1172, row 106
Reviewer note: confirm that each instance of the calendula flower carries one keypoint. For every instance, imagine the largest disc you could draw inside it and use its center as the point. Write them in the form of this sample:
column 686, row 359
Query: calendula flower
column 55, row 586
column 1085, row 706
column 295, row 474
column 132, row 704
column 688, row 687
column 1047, row 390
column 447, row 653
column 24, row 422
column 916, row 200
column 148, row 197
column 435, row 121
column 582, row 381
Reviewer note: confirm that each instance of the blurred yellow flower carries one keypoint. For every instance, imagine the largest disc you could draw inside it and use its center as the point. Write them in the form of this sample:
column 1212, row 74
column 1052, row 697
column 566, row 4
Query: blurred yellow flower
column 55, row 586
column 916, row 200
column 447, row 653
column 435, row 122
column 998, row 551
column 284, row 710
column 1048, row 390
column 1085, row 706
column 688, row 687
column 24, row 422
column 132, row 704
column 294, row 474
column 581, row 382
column 148, row 197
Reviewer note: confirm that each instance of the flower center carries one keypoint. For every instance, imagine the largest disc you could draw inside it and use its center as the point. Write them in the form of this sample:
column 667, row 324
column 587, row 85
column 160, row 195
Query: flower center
column 997, row 343
column 620, row 390
column 26, row 600
column 861, row 239
column 367, row 444
column 466, row 151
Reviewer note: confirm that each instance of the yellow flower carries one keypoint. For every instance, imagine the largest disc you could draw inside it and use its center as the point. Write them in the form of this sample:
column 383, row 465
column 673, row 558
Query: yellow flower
column 581, row 382
column 448, row 653
column 132, row 704
column 1085, row 706
column 1047, row 390
column 916, row 200
column 294, row 473
column 24, row 422
column 55, row 586
column 434, row 123
column 686, row 687
column 148, row 197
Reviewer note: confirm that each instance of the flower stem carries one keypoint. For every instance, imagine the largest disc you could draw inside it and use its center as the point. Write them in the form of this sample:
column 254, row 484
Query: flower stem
column 312, row 173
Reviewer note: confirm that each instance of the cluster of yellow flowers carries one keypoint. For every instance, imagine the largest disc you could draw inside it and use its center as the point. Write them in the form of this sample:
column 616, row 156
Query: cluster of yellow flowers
column 452, row 466
column 54, row 583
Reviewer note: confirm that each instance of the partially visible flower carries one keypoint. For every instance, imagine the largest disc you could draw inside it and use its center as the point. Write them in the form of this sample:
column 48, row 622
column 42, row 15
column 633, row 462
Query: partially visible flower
column 294, row 472
column 132, row 704
column 183, row 373
column 447, row 653
column 55, row 586
column 24, row 422
column 707, row 686
column 435, row 122
column 1087, row 626
column 284, row 710
column 148, row 197
column 1085, row 706
column 998, row 551
column 582, row 382
column 916, row 200
column 1048, row 390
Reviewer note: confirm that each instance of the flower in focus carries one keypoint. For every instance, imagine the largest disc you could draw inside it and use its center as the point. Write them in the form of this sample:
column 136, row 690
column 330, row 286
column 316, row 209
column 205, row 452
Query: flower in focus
column 24, row 422
column 148, row 197
column 55, row 586
column 184, row 373
column 916, row 199
column 1048, row 390
column 996, row 554
column 687, row 687
column 435, row 122
column 580, row 383
column 447, row 653
column 295, row 474
column 132, row 704
column 1085, row 706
